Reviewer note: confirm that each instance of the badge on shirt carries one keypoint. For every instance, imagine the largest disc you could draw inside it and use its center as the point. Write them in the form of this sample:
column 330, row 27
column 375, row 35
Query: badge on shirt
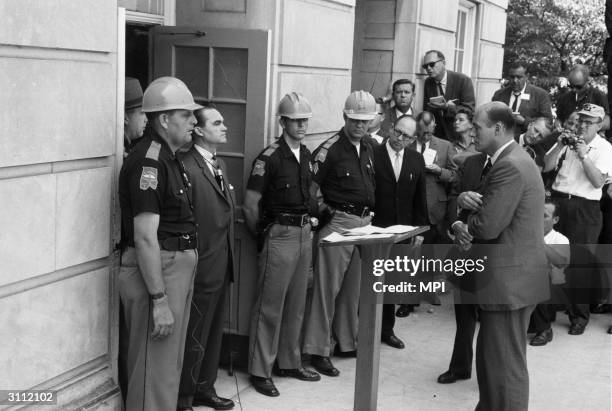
column 259, row 169
column 525, row 96
column 148, row 178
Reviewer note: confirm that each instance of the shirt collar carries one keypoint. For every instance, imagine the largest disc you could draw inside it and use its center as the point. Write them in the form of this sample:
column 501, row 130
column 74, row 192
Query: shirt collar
column 208, row 156
column 444, row 79
column 496, row 155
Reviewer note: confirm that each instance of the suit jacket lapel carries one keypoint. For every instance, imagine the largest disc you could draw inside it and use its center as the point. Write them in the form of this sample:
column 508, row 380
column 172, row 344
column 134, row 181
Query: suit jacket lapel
column 206, row 171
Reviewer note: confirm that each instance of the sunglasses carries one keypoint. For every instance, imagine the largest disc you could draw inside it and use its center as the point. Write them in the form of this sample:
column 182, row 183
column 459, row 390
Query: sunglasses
column 577, row 86
column 430, row 65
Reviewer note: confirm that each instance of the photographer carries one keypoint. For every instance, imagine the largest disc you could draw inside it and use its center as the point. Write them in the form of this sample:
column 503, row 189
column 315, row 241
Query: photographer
column 582, row 163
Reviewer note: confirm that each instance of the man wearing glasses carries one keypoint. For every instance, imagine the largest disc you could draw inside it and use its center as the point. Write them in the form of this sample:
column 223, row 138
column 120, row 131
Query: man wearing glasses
column 400, row 196
column 444, row 91
column 583, row 165
column 580, row 93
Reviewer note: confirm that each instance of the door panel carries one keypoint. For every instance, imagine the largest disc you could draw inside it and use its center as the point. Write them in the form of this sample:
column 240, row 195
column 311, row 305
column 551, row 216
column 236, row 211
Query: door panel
column 228, row 68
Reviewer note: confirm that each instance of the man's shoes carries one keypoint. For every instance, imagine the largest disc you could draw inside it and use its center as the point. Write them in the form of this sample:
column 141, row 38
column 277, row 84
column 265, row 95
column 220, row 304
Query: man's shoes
column 264, row 386
column 184, row 408
column 404, row 310
column 450, row 377
column 392, row 340
column 214, row 402
column 324, row 366
column 542, row 338
column 610, row 330
column 576, row 329
column 301, row 374
column 600, row 308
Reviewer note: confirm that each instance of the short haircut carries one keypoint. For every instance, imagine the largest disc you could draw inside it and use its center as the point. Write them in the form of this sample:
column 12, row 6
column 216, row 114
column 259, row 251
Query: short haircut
column 548, row 123
column 467, row 111
column 555, row 204
column 425, row 116
column 518, row 64
column 401, row 81
column 438, row 53
column 582, row 69
column 403, row 117
column 200, row 114
column 500, row 113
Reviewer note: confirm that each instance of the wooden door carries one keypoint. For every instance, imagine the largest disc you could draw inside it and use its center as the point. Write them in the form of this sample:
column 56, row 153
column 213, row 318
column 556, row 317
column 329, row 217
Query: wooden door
column 229, row 68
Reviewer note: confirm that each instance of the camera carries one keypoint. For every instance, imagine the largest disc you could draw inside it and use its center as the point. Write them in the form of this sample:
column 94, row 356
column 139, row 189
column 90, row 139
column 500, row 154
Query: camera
column 570, row 139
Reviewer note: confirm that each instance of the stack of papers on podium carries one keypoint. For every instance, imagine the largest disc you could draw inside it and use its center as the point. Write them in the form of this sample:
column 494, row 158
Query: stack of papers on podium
column 368, row 231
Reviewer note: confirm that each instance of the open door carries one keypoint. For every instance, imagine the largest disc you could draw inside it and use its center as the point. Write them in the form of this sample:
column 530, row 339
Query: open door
column 230, row 69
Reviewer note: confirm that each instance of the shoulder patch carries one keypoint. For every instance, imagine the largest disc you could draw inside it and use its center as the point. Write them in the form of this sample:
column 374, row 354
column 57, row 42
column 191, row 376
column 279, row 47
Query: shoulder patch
column 322, row 153
column 270, row 150
column 153, row 151
column 330, row 141
column 148, row 178
column 259, row 168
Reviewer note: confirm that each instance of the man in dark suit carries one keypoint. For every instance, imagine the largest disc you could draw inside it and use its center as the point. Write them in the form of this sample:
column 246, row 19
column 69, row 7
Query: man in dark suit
column 400, row 195
column 403, row 94
column 213, row 200
column 509, row 216
column 456, row 88
column 526, row 101
column 441, row 172
column 469, row 178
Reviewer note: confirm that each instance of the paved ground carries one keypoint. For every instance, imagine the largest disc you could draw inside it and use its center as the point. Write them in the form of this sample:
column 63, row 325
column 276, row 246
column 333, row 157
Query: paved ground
column 571, row 373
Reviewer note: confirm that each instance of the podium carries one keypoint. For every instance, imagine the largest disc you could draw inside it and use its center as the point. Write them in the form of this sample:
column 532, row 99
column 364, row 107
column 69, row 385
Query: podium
column 370, row 315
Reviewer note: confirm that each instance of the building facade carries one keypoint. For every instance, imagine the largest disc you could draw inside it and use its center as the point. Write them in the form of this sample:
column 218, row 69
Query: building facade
column 63, row 65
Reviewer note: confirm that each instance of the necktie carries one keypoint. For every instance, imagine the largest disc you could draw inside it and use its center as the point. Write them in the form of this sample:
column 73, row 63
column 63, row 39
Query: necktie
column 486, row 168
column 217, row 172
column 423, row 147
column 516, row 99
column 440, row 89
column 397, row 166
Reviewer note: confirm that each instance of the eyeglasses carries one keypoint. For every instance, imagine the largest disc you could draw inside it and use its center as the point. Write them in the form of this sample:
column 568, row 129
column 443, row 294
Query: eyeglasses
column 402, row 136
column 577, row 86
column 430, row 65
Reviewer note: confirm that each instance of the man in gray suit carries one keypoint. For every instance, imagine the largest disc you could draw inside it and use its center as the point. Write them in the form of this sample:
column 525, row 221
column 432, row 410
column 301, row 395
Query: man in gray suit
column 441, row 172
column 213, row 201
column 508, row 215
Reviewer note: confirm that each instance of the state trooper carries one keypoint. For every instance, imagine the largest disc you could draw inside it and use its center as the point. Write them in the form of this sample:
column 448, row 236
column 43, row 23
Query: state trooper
column 158, row 266
column 134, row 119
column 278, row 207
column 343, row 170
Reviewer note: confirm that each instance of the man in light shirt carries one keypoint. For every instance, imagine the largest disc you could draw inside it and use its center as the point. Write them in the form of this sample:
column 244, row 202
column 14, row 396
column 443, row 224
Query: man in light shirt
column 582, row 166
column 558, row 255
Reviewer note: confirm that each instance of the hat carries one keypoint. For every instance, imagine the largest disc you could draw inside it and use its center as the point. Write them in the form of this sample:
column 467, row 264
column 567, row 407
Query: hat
column 133, row 93
column 592, row 110
column 360, row 105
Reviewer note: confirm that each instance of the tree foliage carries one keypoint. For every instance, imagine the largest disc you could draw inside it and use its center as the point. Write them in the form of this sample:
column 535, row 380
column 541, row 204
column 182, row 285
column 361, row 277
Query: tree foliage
column 553, row 35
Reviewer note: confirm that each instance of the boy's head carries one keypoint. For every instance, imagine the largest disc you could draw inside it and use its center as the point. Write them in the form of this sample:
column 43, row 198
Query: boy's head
column 551, row 215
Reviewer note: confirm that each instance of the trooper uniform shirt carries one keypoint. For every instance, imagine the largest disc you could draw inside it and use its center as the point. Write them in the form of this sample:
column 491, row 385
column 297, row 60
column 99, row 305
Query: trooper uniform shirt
column 343, row 176
column 153, row 180
column 282, row 181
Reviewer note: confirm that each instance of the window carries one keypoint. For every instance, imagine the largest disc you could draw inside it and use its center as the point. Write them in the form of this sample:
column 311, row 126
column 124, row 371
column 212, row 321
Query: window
column 464, row 37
